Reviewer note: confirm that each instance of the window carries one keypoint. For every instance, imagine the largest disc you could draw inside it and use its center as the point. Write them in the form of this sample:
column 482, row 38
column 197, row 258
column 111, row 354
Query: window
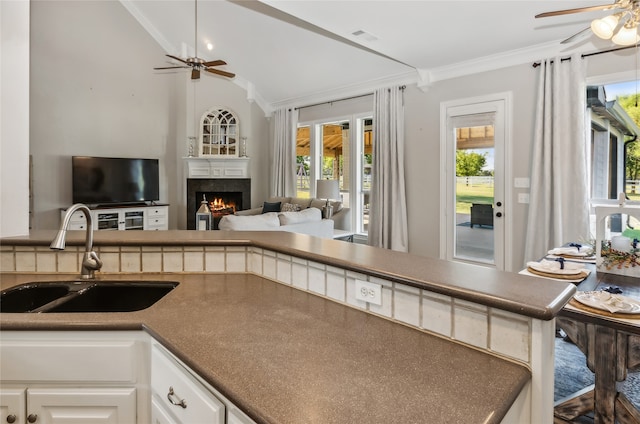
column 613, row 148
column 331, row 150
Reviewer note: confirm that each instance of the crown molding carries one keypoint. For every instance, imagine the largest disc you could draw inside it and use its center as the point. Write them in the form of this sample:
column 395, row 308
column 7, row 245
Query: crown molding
column 361, row 88
column 506, row 59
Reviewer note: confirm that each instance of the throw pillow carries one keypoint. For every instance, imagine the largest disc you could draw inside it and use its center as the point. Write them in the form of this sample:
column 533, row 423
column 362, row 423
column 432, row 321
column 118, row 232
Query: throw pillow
column 305, row 215
column 271, row 207
column 290, row 207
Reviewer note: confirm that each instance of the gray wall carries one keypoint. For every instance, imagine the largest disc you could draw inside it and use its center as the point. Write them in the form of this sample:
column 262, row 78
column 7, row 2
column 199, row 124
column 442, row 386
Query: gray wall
column 422, row 120
column 94, row 92
column 422, row 132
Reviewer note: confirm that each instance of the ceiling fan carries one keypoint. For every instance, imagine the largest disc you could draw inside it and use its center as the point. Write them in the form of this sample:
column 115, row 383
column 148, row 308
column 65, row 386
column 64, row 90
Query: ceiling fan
column 621, row 27
column 197, row 64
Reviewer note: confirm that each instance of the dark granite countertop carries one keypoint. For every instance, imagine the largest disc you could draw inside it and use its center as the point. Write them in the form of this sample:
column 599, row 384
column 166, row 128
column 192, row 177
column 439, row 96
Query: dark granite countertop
column 530, row 296
column 287, row 356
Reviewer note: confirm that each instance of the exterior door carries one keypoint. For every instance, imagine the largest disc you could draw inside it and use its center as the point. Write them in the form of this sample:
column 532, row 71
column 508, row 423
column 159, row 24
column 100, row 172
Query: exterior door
column 474, row 207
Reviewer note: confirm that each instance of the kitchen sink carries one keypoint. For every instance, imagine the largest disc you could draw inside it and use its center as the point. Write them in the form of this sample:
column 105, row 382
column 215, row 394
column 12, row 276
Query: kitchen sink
column 84, row 296
column 29, row 297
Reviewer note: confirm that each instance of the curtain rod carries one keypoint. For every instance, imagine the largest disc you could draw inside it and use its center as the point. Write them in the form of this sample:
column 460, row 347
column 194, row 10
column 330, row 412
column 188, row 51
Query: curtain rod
column 402, row 87
column 536, row 64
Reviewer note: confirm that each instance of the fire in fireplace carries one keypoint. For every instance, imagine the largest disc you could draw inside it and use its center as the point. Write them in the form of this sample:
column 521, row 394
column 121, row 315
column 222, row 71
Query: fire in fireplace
column 225, row 196
column 220, row 207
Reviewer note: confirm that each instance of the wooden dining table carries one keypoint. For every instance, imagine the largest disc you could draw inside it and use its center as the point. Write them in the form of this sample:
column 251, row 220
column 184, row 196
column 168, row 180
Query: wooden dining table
column 611, row 344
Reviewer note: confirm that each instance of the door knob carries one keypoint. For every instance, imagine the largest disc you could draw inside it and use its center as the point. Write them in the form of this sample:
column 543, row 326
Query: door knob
column 499, row 214
column 11, row 419
column 32, row 418
column 499, row 204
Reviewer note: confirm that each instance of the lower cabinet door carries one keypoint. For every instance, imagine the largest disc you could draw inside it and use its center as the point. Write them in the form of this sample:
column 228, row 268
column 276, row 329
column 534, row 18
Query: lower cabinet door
column 176, row 390
column 12, row 406
column 81, row 405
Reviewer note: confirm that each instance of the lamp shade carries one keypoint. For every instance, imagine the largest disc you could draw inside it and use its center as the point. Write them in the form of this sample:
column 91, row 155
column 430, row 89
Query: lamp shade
column 604, row 27
column 627, row 35
column 327, row 189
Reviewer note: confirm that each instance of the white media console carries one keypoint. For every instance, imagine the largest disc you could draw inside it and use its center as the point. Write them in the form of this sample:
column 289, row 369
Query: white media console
column 139, row 217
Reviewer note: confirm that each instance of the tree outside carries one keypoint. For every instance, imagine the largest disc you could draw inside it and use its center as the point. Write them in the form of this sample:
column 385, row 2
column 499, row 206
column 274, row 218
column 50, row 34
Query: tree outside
column 474, row 184
column 632, row 165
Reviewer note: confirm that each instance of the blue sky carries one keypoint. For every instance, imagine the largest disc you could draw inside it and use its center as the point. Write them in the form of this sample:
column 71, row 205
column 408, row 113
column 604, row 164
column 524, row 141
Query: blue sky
column 621, row 89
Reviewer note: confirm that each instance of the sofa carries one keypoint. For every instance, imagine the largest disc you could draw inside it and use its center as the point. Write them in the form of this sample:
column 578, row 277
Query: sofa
column 293, row 214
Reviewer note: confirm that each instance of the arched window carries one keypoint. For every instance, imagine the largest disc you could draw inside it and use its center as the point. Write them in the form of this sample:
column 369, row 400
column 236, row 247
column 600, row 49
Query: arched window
column 220, row 133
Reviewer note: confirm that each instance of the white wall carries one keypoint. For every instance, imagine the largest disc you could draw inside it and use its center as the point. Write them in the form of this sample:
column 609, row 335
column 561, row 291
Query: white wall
column 14, row 118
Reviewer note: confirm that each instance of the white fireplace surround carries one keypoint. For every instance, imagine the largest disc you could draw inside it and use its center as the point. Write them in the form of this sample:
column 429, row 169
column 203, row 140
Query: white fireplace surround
column 213, row 167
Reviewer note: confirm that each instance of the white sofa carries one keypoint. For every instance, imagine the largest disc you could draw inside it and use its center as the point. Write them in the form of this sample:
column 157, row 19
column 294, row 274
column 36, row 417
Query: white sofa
column 307, row 221
column 341, row 215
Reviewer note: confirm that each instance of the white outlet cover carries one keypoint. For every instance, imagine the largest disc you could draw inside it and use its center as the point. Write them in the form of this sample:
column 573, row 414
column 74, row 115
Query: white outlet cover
column 521, row 182
column 523, row 197
column 369, row 292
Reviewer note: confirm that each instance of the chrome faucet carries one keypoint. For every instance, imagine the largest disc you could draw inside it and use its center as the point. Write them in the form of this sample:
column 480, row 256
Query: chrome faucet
column 90, row 261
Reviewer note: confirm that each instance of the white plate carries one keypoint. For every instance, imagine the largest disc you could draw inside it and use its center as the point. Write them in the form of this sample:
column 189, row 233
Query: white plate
column 553, row 267
column 614, row 303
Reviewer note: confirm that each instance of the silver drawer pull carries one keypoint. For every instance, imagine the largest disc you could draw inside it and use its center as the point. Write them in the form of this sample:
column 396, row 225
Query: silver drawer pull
column 175, row 400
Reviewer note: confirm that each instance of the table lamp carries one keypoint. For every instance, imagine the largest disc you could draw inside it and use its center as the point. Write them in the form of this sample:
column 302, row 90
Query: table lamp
column 327, row 189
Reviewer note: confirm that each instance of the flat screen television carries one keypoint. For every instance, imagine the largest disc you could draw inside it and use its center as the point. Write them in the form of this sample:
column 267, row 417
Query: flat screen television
column 108, row 181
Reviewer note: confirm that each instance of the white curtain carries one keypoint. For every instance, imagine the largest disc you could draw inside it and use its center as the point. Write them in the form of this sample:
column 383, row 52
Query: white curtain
column 388, row 216
column 559, row 197
column 283, row 181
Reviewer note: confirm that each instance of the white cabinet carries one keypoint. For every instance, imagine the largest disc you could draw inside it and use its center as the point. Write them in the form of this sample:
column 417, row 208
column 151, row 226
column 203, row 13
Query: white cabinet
column 177, row 396
column 64, row 405
column 174, row 385
column 51, row 377
column 154, row 217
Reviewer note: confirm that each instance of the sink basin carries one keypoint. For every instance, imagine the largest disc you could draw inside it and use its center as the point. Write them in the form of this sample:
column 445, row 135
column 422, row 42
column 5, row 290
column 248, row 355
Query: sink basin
column 84, row 296
column 29, row 297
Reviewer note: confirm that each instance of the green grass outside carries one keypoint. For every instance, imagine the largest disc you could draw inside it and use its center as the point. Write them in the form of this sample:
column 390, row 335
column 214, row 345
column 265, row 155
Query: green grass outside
column 468, row 194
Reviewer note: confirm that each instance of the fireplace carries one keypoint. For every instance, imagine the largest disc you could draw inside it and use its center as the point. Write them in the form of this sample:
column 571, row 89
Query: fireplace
column 225, row 195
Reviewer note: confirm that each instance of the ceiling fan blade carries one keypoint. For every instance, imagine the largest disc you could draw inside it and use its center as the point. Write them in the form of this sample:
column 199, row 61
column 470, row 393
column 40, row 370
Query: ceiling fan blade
column 219, row 72
column 578, row 10
column 178, row 59
column 215, row 63
column 576, row 36
column 195, row 74
column 172, row 67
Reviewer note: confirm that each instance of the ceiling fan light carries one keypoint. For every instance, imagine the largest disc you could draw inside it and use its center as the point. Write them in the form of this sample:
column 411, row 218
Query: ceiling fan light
column 627, row 36
column 604, row 27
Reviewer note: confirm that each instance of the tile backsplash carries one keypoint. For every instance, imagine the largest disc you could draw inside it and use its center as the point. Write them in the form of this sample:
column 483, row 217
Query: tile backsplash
column 493, row 330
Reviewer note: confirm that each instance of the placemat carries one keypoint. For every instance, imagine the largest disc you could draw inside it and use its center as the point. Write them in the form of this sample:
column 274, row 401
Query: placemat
column 587, row 308
column 581, row 275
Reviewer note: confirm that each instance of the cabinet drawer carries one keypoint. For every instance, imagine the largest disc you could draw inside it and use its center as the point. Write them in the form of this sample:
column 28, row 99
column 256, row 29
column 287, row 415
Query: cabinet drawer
column 156, row 212
column 68, row 360
column 166, row 375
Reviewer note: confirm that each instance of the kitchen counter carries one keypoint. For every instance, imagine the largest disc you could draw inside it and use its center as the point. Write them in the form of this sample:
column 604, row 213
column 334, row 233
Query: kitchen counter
column 286, row 356
column 534, row 297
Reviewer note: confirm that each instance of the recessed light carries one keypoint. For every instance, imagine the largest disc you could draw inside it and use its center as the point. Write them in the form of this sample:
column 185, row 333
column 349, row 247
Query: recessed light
column 210, row 46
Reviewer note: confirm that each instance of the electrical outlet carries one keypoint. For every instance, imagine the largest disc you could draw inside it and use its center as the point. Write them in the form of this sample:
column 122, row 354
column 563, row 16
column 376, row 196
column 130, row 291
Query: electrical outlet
column 523, row 197
column 369, row 292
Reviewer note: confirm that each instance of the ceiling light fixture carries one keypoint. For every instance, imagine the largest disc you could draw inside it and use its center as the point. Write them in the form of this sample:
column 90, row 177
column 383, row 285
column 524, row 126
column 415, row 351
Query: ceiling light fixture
column 621, row 27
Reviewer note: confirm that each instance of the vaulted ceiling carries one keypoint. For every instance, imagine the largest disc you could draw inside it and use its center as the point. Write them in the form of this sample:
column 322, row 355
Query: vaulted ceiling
column 288, row 52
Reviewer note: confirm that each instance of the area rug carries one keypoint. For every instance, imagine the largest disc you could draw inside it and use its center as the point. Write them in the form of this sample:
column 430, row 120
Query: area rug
column 572, row 374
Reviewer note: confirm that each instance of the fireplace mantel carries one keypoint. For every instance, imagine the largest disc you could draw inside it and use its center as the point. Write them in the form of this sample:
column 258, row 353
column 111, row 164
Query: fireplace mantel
column 215, row 167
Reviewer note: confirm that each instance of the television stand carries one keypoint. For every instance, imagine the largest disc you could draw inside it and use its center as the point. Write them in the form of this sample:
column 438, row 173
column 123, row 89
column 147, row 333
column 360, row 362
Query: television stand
column 123, row 217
